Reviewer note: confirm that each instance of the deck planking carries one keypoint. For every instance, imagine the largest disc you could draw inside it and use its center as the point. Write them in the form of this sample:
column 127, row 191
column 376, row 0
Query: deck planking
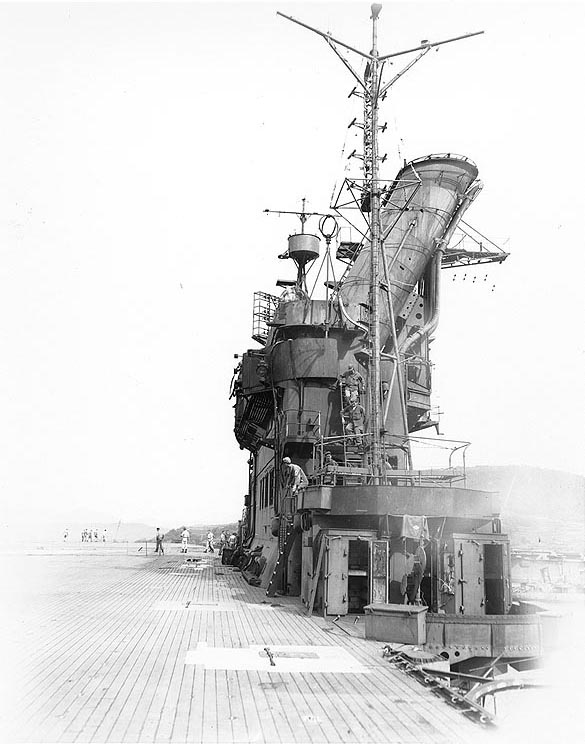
column 103, row 648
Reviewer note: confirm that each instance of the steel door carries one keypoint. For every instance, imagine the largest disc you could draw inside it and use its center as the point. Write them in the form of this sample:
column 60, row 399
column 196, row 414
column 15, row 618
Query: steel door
column 469, row 573
column 337, row 549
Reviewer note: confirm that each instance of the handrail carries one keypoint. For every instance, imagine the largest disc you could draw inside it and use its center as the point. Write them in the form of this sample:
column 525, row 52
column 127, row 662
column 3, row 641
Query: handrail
column 338, row 473
column 288, row 505
column 306, row 422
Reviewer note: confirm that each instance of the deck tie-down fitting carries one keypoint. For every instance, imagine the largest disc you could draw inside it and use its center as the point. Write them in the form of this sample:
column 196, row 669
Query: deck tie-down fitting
column 270, row 656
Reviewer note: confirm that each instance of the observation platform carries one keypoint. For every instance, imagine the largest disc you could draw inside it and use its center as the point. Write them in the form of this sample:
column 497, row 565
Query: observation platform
column 104, row 646
column 430, row 500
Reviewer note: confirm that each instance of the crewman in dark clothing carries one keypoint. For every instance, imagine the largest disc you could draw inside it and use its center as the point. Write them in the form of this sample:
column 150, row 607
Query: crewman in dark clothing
column 329, row 469
column 159, row 537
column 354, row 418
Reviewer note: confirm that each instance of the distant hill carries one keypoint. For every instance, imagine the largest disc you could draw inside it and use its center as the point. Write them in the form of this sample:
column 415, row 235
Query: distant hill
column 540, row 508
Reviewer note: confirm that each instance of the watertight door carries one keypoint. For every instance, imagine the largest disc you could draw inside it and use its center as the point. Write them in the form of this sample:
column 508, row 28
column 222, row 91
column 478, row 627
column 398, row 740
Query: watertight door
column 379, row 571
column 470, row 576
column 336, row 569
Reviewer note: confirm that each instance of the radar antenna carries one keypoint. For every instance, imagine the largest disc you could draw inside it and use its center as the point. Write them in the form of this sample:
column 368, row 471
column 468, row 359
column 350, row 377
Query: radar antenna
column 302, row 248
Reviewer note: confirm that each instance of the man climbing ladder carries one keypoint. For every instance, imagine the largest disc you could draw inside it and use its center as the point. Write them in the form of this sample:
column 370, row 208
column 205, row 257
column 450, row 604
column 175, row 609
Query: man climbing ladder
column 293, row 477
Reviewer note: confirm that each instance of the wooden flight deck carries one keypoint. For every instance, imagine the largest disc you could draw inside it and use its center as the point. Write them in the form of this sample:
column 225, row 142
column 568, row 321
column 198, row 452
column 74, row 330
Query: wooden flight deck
column 108, row 647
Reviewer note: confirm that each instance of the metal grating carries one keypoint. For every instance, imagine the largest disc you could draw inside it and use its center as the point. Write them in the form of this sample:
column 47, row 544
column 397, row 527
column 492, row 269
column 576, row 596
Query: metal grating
column 264, row 309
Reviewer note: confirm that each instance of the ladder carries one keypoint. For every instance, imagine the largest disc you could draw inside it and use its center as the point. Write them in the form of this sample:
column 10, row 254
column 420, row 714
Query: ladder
column 353, row 454
column 286, row 540
column 342, row 403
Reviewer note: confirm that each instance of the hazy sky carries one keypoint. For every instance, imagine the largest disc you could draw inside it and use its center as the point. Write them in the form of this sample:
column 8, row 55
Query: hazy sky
column 139, row 145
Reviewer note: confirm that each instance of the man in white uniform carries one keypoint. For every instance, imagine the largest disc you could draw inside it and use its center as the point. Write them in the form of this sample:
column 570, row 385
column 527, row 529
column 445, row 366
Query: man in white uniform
column 294, row 477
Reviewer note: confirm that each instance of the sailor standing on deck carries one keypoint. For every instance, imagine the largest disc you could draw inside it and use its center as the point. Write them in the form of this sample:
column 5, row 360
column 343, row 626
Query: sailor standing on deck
column 185, row 535
column 209, row 546
column 159, row 537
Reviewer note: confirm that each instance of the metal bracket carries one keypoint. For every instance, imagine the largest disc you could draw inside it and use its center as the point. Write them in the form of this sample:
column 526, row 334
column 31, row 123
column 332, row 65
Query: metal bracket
column 413, row 312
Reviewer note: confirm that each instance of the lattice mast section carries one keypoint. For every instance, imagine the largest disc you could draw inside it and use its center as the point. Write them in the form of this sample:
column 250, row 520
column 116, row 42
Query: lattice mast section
column 372, row 186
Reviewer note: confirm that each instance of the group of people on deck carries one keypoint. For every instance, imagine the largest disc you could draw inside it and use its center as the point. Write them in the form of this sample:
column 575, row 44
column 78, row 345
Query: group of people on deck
column 226, row 540
column 89, row 535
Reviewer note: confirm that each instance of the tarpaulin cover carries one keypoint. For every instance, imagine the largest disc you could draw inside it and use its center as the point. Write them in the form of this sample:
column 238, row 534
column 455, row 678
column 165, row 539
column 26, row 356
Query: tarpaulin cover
column 415, row 527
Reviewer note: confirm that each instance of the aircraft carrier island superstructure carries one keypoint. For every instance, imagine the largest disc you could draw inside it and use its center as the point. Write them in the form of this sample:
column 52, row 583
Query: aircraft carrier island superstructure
column 339, row 390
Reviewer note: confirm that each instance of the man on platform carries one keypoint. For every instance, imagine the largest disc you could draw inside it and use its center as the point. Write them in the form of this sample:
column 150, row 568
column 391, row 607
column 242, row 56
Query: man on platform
column 293, row 477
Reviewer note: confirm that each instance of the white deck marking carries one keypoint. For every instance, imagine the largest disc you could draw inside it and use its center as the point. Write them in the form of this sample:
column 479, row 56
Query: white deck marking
column 175, row 606
column 287, row 659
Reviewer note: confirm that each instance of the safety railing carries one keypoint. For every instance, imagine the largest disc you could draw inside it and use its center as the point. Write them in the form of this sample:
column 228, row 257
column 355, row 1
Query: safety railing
column 289, row 505
column 418, row 370
column 302, row 424
column 263, row 313
column 342, row 460
column 346, row 460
